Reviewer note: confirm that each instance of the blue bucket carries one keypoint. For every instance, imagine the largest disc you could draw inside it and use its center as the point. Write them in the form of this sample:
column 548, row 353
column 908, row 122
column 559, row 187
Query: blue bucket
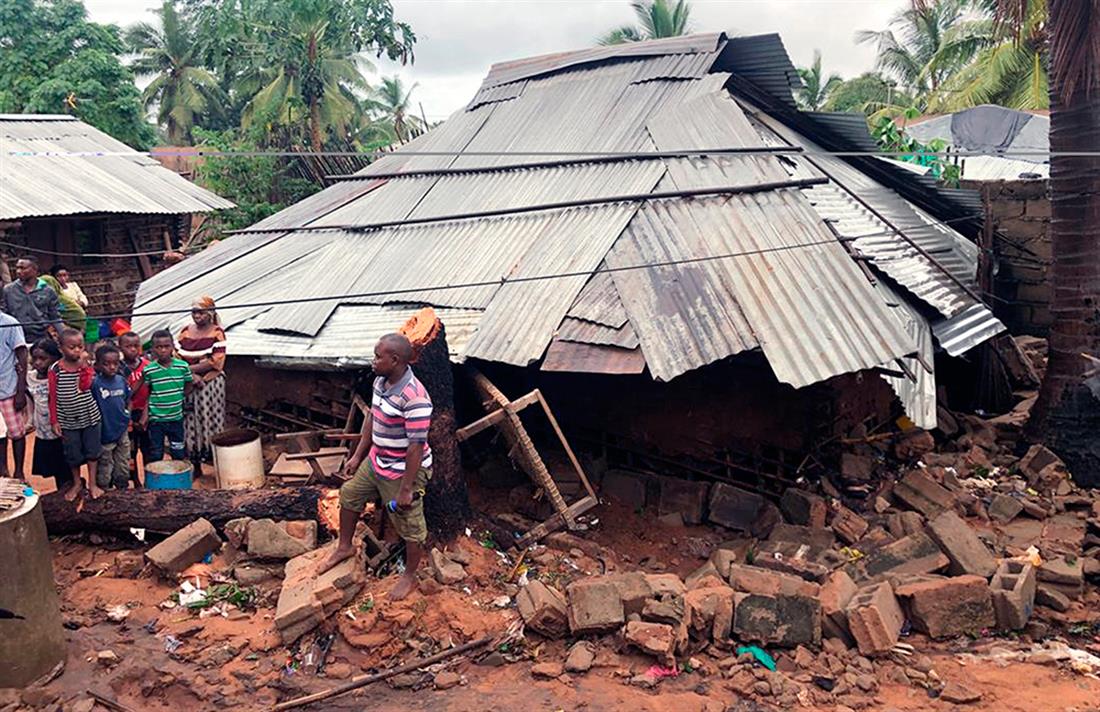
column 168, row 474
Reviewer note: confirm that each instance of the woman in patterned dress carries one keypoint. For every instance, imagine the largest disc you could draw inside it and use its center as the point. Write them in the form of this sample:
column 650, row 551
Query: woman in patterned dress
column 202, row 346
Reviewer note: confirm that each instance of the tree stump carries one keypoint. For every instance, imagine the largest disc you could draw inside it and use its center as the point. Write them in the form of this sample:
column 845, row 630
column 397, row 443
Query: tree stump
column 447, row 501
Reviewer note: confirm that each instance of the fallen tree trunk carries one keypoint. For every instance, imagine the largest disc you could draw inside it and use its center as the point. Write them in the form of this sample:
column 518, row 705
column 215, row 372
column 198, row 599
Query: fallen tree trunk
column 167, row 511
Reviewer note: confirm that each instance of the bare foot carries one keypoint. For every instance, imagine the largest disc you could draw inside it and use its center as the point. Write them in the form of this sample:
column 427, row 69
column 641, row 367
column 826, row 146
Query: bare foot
column 403, row 587
column 338, row 554
column 96, row 491
column 74, row 492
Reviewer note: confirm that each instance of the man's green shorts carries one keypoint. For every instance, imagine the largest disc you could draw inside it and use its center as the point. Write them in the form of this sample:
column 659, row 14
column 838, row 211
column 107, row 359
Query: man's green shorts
column 366, row 486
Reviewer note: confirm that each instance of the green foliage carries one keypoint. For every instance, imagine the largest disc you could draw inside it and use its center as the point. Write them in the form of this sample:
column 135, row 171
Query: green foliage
column 259, row 185
column 656, row 19
column 391, row 101
column 816, row 87
column 52, row 60
column 867, row 93
column 894, row 140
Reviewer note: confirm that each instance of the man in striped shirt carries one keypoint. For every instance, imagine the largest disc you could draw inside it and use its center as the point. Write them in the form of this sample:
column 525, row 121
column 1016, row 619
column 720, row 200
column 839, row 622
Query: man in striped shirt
column 398, row 462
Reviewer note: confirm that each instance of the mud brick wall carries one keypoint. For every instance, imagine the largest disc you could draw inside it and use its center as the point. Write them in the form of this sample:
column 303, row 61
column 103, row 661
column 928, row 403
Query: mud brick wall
column 1022, row 253
column 109, row 283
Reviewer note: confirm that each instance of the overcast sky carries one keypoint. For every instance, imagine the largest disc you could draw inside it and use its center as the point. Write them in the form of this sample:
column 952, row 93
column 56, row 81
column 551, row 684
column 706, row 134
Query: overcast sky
column 457, row 40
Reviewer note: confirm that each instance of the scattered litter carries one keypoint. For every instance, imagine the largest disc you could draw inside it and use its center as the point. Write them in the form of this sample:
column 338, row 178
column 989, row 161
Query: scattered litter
column 119, row 613
column 172, row 644
column 502, row 601
column 139, row 533
column 658, row 672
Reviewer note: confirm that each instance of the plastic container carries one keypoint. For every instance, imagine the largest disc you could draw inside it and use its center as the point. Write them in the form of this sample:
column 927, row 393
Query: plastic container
column 238, row 459
column 168, row 474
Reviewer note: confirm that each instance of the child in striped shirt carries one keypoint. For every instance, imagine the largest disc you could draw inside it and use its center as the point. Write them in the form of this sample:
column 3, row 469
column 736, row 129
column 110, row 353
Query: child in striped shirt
column 73, row 410
column 170, row 381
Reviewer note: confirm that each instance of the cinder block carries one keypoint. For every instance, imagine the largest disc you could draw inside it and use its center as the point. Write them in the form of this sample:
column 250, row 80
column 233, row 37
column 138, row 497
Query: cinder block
column 594, row 606
column 803, row 508
column 187, row 546
column 786, row 621
column 875, row 619
column 753, row 579
column 543, row 609
column 920, row 492
column 954, row 606
column 1013, row 588
column 966, row 551
column 733, row 507
column 687, row 498
column 913, row 554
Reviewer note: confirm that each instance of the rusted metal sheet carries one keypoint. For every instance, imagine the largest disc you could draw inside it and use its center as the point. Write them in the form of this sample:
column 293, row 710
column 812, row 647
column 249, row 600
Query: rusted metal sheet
column 916, row 389
column 587, row 332
column 571, row 357
column 684, row 314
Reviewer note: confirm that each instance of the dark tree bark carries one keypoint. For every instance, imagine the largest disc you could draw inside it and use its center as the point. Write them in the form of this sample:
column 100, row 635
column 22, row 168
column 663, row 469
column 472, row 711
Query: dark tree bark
column 166, row 511
column 1067, row 413
column 446, row 502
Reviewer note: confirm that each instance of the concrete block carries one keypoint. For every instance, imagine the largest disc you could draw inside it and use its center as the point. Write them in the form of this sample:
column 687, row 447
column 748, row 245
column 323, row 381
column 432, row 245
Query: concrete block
column 1060, row 574
column 187, row 546
column 1037, row 458
column 803, row 508
column 1004, row 508
column 594, row 606
column 665, row 584
column 687, row 498
column 668, row 610
column 733, row 507
column 270, row 540
column 656, row 639
column 633, row 590
column 875, row 619
column 955, row 606
column 754, row 579
column 543, row 609
column 788, row 558
column 817, row 539
column 921, row 493
column 836, row 593
column 708, row 613
column 1052, row 598
column 704, row 576
column 966, row 551
column 785, row 621
column 901, row 524
column 913, row 554
column 856, row 467
column 1013, row 588
column 627, row 488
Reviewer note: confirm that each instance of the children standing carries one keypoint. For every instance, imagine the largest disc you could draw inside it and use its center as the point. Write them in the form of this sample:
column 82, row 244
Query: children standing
column 170, row 381
column 133, row 365
column 112, row 395
column 49, row 454
column 73, row 410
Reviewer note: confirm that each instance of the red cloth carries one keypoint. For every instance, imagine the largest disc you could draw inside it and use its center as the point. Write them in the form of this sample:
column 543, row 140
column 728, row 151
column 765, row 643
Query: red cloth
column 87, row 375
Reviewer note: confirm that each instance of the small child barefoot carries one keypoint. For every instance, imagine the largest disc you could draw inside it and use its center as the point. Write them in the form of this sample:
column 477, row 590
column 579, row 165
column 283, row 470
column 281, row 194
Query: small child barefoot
column 74, row 491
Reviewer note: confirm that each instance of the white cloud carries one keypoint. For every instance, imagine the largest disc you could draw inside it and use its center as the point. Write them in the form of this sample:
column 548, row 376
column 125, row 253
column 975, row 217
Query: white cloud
column 459, row 39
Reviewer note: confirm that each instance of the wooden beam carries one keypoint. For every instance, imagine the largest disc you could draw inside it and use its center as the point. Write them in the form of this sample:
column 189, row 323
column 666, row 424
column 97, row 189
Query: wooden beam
column 565, row 444
column 556, row 522
column 496, row 416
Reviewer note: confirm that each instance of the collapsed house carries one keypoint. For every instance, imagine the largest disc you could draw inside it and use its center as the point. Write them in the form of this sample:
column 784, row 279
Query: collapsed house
column 70, row 193
column 1014, row 182
column 655, row 221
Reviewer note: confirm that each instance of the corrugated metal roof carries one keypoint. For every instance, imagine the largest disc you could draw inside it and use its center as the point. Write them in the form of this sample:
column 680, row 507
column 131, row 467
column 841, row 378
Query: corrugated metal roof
column 965, row 330
column 762, row 60
column 491, row 95
column 676, row 66
column 599, row 302
column 42, row 185
column 587, row 332
column 506, row 72
column 918, row 397
column 522, row 317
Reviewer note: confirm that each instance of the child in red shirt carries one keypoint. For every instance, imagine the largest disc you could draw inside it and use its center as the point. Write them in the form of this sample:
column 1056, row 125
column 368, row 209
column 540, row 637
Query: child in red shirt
column 133, row 364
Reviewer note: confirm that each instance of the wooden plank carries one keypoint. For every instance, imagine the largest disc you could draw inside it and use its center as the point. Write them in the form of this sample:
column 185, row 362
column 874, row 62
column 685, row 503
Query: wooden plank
column 565, row 444
column 307, row 433
column 463, row 434
column 556, row 522
column 323, row 452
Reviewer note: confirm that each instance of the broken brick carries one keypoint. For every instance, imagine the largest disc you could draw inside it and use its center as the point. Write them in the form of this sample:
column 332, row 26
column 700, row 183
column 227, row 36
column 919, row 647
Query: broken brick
column 950, row 606
column 753, row 579
column 708, row 612
column 655, row 639
column 685, row 497
column 803, row 508
column 668, row 610
column 875, row 619
column 594, row 606
column 815, row 538
column 1052, row 598
column 901, row 524
column 920, row 492
column 1036, row 460
column 913, row 554
column 626, row 488
column 913, row 444
column 848, row 526
column 1061, row 574
column 856, row 467
column 705, row 576
column 966, row 551
column 1013, row 588
column 187, row 546
column 665, row 584
column 543, row 609
column 733, row 507
column 788, row 558
column 786, row 621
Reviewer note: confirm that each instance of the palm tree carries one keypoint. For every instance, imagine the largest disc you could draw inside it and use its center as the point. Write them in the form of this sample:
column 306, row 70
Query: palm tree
column 312, row 76
column 182, row 90
column 1010, row 69
column 391, row 101
column 656, row 19
column 816, row 88
column 925, row 46
column 1067, row 413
